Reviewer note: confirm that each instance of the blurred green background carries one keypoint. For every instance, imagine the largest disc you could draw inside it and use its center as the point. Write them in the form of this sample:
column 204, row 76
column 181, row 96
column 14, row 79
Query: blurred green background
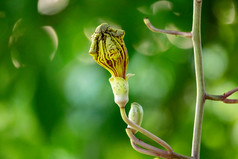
column 56, row 102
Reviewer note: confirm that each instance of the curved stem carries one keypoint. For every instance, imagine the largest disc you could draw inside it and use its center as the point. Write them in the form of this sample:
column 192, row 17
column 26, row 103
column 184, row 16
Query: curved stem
column 141, row 150
column 162, row 153
column 154, row 29
column 200, row 101
column 143, row 131
column 159, row 152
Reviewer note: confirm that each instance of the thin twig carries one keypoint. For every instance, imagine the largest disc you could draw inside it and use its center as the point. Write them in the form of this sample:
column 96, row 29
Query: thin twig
column 143, row 131
column 154, row 29
column 224, row 97
column 230, row 101
column 229, row 93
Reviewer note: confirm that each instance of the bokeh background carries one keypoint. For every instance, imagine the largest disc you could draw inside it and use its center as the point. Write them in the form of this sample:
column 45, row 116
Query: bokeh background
column 56, row 102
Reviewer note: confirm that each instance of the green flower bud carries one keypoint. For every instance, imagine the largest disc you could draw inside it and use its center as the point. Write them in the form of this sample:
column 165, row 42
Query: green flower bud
column 135, row 115
column 109, row 51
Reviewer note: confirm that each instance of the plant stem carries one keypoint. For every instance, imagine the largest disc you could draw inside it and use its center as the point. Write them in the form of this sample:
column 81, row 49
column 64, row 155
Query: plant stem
column 159, row 152
column 141, row 150
column 143, row 131
column 200, row 100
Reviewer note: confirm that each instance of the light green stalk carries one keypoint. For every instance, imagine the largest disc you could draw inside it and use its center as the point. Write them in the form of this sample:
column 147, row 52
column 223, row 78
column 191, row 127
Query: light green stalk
column 196, row 38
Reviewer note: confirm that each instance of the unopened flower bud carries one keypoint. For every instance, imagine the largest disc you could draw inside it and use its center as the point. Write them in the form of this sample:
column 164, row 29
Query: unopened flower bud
column 109, row 50
column 135, row 115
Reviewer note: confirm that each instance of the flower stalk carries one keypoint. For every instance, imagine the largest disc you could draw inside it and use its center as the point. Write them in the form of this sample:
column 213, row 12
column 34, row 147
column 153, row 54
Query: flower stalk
column 151, row 150
column 144, row 131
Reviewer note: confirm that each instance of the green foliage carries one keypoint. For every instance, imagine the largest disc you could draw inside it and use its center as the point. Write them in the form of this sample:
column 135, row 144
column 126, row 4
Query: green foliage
column 50, row 87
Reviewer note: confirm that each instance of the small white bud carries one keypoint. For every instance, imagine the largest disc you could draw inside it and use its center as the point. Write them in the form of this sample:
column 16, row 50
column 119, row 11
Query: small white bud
column 135, row 115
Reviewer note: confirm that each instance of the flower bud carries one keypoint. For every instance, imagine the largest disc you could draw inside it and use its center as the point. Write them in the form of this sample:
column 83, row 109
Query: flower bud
column 135, row 115
column 109, row 50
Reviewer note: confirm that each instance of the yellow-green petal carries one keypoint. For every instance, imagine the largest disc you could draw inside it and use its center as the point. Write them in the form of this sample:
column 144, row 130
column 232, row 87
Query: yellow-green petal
column 108, row 50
